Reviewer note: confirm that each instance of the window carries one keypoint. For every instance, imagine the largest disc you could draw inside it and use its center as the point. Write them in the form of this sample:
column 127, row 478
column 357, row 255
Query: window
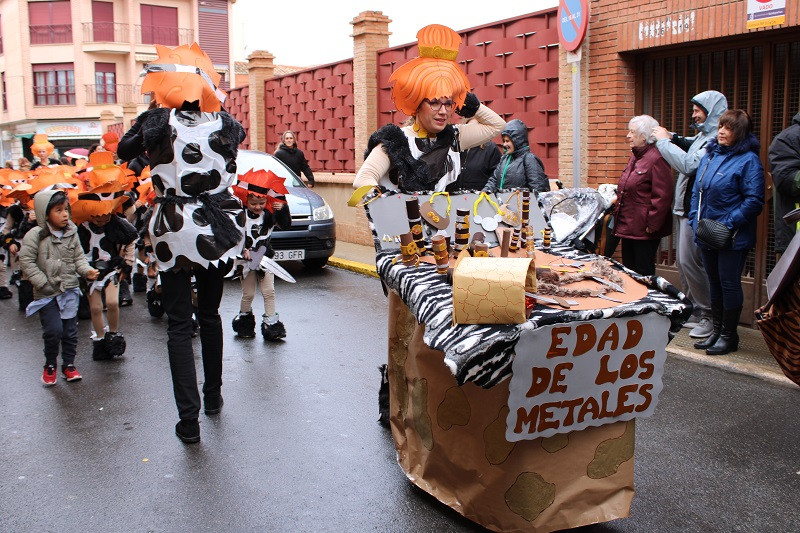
column 50, row 22
column 53, row 84
column 105, row 80
column 103, row 22
column 159, row 25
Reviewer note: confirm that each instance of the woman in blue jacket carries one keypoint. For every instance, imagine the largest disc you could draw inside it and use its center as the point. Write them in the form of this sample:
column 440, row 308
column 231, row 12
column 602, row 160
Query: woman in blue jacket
column 729, row 188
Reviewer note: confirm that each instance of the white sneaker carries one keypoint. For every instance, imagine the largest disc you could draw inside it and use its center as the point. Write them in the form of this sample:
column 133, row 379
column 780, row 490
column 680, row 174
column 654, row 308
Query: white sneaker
column 703, row 329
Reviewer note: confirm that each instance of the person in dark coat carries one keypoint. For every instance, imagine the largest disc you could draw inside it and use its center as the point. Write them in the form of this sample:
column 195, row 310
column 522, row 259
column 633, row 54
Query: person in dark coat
column 293, row 157
column 784, row 162
column 477, row 165
column 519, row 167
column 729, row 188
column 644, row 199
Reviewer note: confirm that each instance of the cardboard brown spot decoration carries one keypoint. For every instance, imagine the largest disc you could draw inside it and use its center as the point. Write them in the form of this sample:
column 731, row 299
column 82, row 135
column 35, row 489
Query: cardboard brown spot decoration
column 494, row 439
column 419, row 405
column 530, row 495
column 556, row 442
column 454, row 409
column 612, row 453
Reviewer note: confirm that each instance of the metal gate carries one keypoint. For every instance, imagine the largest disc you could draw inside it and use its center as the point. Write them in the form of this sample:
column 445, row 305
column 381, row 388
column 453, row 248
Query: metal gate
column 762, row 78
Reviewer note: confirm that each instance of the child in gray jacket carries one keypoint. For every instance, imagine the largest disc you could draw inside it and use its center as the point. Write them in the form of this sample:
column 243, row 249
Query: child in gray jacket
column 52, row 259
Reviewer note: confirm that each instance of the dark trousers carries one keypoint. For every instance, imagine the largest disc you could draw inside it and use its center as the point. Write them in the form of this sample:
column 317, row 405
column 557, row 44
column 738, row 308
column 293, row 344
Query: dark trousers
column 640, row 256
column 724, row 271
column 176, row 297
column 56, row 332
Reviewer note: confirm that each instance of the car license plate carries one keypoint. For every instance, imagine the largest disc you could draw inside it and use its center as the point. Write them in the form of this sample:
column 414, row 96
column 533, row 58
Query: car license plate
column 289, row 255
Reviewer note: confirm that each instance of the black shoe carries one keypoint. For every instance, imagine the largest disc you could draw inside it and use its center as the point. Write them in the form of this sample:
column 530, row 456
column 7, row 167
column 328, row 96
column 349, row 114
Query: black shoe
column 25, row 294
column 5, row 293
column 214, row 405
column 273, row 332
column 188, row 431
column 99, row 350
column 115, row 344
column 154, row 304
column 125, row 298
column 244, row 324
column 139, row 282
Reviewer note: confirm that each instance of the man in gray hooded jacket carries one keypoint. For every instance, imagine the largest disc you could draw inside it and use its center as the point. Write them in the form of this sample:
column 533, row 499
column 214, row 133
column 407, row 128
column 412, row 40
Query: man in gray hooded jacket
column 683, row 154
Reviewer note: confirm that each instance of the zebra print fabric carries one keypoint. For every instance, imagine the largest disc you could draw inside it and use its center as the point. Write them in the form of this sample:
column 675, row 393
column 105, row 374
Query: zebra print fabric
column 482, row 354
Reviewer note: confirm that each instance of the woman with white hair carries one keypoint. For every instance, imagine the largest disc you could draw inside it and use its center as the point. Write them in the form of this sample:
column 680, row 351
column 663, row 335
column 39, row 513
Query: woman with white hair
column 644, row 198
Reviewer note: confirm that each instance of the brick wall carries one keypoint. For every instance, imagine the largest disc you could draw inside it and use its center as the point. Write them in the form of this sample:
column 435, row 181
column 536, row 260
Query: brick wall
column 317, row 105
column 238, row 105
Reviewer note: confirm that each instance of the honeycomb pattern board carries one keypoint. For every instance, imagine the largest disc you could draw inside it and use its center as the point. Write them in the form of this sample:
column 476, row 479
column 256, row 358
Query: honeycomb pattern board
column 451, row 443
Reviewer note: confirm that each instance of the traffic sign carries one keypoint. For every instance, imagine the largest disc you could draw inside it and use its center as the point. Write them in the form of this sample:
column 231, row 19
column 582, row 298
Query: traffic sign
column 573, row 18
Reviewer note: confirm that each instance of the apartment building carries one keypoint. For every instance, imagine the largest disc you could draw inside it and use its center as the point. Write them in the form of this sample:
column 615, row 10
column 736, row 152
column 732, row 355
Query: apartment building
column 68, row 68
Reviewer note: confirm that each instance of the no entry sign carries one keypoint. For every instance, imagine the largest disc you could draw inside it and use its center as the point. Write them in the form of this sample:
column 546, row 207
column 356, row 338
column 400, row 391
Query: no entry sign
column 573, row 18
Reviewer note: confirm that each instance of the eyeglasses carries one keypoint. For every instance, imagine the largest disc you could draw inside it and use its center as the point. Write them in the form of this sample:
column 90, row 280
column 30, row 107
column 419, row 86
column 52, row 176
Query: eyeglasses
column 436, row 105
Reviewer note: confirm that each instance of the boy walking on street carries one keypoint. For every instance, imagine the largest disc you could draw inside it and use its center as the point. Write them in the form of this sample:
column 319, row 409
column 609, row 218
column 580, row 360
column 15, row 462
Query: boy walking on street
column 52, row 259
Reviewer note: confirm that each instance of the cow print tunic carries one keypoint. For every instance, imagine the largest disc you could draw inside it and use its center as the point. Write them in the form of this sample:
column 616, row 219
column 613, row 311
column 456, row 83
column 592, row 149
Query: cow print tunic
column 196, row 173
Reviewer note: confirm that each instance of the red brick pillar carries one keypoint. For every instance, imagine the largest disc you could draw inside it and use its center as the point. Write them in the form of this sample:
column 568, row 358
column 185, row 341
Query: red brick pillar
column 260, row 67
column 370, row 34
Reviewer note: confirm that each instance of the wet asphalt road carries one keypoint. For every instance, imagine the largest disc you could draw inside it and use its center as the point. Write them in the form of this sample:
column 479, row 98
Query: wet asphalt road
column 297, row 447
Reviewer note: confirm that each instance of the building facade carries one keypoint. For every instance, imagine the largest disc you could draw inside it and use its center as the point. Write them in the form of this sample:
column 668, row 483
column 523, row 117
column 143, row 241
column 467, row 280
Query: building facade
column 651, row 57
column 69, row 68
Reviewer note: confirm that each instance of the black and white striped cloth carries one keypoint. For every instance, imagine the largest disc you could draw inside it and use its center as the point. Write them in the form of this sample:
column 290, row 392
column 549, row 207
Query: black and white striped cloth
column 482, row 354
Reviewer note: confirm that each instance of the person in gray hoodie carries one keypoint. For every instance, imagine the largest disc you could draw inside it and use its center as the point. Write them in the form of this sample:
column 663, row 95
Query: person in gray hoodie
column 52, row 259
column 683, row 154
column 518, row 167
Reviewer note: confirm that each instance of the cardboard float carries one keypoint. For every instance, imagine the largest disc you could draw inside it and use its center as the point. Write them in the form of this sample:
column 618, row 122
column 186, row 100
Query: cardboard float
column 528, row 426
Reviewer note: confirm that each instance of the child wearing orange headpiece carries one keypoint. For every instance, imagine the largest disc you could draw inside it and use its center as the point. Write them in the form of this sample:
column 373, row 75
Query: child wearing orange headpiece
column 425, row 155
column 197, row 225
column 263, row 195
column 42, row 149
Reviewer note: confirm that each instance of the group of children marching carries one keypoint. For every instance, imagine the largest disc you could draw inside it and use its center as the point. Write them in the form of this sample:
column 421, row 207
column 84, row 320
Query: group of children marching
column 73, row 234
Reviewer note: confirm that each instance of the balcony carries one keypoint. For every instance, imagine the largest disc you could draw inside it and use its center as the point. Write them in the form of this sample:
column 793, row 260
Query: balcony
column 165, row 35
column 115, row 94
column 106, row 37
column 51, row 34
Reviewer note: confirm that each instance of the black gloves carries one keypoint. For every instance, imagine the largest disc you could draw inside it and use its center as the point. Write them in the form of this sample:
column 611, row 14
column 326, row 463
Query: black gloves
column 470, row 107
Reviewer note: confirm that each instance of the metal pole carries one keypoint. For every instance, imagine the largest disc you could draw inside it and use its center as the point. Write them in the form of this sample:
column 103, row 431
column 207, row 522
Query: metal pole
column 576, row 124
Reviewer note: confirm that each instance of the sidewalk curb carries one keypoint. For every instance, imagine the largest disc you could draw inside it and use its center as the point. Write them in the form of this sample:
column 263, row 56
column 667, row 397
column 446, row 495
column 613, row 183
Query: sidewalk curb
column 354, row 266
column 707, row 360
column 738, row 368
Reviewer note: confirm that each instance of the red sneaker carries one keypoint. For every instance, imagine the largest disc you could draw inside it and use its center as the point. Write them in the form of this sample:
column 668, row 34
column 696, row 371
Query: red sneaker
column 49, row 376
column 71, row 373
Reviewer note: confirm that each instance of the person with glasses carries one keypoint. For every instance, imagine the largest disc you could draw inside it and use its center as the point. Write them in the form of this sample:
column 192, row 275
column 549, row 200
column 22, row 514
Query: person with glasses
column 424, row 155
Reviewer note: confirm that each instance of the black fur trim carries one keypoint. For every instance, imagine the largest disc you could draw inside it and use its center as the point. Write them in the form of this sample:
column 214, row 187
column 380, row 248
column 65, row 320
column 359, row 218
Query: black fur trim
column 409, row 174
column 120, row 231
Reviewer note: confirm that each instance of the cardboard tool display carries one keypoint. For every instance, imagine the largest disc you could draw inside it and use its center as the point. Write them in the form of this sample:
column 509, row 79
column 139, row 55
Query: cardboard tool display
column 390, row 218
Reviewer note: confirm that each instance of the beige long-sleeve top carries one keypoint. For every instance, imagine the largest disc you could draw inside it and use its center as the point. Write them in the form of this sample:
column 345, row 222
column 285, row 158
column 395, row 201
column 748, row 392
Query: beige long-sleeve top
column 488, row 125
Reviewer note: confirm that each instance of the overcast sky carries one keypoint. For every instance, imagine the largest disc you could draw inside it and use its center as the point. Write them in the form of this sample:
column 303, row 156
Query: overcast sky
column 313, row 32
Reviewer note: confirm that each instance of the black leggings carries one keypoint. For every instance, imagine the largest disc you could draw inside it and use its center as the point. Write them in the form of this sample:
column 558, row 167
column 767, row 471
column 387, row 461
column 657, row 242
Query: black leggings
column 176, row 297
column 640, row 256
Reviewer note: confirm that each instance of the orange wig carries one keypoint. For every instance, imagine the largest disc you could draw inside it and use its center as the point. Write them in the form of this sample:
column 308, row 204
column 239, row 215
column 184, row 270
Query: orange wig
column 434, row 74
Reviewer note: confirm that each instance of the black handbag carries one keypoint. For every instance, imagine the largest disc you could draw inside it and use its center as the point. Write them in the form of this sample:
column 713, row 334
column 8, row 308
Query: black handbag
column 710, row 232
column 714, row 234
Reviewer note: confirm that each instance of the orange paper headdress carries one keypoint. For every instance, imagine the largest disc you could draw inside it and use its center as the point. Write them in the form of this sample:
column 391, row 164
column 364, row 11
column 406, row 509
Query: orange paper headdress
column 110, row 141
column 434, row 74
column 264, row 183
column 183, row 74
column 103, row 175
column 40, row 141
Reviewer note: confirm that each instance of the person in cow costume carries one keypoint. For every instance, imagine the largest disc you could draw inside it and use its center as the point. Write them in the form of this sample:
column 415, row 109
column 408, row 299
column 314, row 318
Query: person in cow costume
column 197, row 225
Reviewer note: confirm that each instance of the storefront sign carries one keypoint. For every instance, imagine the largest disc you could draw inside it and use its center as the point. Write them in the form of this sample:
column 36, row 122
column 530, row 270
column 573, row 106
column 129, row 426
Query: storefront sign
column 762, row 13
column 573, row 19
column 77, row 128
column 568, row 377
